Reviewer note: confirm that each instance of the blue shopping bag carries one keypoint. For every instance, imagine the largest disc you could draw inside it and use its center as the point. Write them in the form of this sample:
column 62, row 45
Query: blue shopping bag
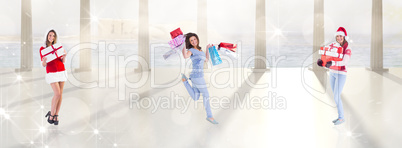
column 216, row 60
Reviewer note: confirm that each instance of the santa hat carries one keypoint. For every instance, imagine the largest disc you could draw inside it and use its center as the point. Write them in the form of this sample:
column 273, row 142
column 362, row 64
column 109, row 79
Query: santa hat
column 342, row 31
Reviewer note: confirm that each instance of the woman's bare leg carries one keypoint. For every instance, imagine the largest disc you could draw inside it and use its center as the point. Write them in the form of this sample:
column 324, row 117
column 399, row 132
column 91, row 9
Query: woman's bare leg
column 61, row 84
column 56, row 97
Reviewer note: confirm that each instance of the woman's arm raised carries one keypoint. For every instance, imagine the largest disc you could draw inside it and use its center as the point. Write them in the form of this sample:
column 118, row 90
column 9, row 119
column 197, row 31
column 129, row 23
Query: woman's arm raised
column 186, row 54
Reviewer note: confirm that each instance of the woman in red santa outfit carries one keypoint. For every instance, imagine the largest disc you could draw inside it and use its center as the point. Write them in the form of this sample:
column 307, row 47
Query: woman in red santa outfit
column 53, row 58
column 338, row 71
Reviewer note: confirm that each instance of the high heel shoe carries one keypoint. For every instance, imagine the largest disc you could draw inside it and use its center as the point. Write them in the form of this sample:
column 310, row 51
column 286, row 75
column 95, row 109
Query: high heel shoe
column 48, row 119
column 55, row 119
column 183, row 77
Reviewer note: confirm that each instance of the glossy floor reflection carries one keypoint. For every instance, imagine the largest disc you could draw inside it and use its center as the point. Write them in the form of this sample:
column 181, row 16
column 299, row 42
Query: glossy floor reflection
column 284, row 107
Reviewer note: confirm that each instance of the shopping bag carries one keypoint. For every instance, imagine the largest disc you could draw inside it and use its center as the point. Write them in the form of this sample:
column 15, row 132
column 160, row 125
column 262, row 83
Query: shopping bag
column 177, row 41
column 229, row 46
column 176, row 33
column 226, row 52
column 214, row 56
column 172, row 52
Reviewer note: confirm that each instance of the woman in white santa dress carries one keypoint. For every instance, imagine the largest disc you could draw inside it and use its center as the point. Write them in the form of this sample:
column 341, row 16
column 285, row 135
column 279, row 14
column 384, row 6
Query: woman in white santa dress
column 53, row 58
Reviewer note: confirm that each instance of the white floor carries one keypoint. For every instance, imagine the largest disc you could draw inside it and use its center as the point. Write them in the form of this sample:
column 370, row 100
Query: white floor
column 294, row 110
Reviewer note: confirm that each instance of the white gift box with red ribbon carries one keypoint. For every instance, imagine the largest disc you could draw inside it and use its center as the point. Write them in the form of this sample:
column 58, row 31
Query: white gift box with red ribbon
column 335, row 52
column 53, row 52
column 332, row 52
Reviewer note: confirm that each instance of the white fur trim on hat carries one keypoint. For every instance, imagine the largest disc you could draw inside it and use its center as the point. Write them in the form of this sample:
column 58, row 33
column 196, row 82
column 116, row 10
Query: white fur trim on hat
column 340, row 33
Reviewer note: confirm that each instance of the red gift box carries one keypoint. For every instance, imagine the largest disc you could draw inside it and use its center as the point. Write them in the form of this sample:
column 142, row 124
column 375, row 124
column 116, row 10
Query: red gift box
column 176, row 33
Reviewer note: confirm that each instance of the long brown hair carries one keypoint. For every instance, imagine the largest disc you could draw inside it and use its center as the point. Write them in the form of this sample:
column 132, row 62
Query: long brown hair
column 55, row 38
column 188, row 44
column 344, row 44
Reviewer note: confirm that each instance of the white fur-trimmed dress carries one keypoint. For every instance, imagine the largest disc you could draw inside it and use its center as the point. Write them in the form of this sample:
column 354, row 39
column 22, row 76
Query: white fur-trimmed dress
column 55, row 70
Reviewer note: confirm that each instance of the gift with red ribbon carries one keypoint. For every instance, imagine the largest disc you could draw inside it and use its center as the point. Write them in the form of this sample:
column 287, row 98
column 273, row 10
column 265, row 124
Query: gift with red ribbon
column 53, row 52
column 332, row 52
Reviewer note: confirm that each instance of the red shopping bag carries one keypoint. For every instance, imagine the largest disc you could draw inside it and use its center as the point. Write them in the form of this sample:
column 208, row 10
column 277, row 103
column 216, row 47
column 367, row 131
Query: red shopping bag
column 176, row 33
column 229, row 46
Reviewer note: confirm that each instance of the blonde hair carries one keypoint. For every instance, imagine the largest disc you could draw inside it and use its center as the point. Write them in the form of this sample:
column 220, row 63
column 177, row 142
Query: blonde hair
column 47, row 43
